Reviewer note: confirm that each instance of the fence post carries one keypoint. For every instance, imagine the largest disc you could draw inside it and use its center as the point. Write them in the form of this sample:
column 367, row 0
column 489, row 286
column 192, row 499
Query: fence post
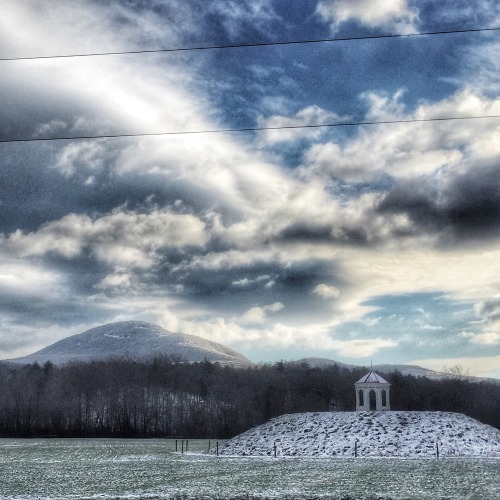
column 176, row 445
column 356, row 448
column 274, row 449
column 182, row 446
column 437, row 450
column 186, row 445
column 209, row 445
column 217, row 448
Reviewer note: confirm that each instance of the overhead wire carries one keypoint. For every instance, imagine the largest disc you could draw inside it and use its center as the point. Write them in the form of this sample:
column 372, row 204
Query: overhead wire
column 247, row 129
column 252, row 44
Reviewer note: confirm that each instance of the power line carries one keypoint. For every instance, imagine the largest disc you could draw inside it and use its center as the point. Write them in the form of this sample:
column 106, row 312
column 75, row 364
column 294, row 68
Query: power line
column 247, row 129
column 256, row 44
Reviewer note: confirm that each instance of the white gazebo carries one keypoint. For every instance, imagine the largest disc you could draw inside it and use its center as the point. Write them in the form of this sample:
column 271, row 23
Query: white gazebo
column 372, row 393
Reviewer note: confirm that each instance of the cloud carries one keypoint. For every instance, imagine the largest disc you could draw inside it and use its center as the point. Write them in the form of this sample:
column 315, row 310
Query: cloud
column 406, row 151
column 277, row 337
column 234, row 15
column 257, row 280
column 277, row 306
column 435, row 181
column 395, row 15
column 258, row 315
column 326, row 291
column 488, row 312
column 360, row 348
column 114, row 254
column 35, row 295
column 306, row 117
column 488, row 338
column 122, row 237
column 20, row 278
column 282, row 240
column 463, row 206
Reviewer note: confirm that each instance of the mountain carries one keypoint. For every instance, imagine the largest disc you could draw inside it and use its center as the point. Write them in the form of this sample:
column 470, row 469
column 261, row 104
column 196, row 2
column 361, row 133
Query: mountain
column 137, row 340
column 408, row 434
column 416, row 371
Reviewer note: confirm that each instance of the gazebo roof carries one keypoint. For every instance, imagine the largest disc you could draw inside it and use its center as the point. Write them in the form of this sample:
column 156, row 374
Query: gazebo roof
column 372, row 378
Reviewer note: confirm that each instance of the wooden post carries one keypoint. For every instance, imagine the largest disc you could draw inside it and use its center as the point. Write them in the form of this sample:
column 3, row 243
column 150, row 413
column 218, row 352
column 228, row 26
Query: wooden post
column 274, row 449
column 209, row 445
column 356, row 448
column 176, row 445
column 182, row 446
column 186, row 445
column 217, row 448
column 437, row 450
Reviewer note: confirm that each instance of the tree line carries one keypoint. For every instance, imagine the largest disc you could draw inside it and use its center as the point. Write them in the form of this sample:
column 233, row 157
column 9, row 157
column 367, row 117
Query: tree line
column 166, row 397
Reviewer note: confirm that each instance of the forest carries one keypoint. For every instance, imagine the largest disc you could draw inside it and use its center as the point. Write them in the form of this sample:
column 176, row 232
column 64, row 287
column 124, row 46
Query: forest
column 166, row 397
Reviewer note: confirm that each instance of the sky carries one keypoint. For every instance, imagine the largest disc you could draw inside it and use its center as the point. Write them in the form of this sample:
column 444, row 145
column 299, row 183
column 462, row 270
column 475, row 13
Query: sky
column 353, row 243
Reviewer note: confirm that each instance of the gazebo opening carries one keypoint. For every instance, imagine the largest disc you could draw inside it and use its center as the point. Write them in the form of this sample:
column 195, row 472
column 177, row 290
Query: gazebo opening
column 373, row 400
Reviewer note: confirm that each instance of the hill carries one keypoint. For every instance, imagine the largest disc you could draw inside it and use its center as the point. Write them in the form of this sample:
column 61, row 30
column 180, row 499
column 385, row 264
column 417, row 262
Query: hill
column 413, row 370
column 378, row 434
column 136, row 340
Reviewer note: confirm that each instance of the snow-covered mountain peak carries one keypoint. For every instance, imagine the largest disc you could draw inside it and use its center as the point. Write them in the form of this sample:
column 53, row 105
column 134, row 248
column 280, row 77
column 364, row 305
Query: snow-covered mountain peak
column 137, row 340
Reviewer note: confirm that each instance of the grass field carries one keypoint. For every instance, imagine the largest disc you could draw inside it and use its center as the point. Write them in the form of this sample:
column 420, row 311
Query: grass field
column 53, row 469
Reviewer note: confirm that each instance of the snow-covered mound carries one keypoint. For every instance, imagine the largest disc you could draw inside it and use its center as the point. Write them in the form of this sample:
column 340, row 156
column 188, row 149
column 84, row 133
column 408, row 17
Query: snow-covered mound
column 136, row 340
column 378, row 434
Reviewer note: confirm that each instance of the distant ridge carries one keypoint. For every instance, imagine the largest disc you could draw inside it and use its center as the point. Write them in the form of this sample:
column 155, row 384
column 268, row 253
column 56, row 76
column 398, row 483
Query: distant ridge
column 135, row 340
column 414, row 370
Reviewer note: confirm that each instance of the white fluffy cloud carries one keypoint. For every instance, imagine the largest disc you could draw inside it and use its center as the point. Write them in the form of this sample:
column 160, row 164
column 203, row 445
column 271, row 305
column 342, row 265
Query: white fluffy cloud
column 278, row 336
column 258, row 315
column 326, row 291
column 306, row 117
column 18, row 277
column 487, row 338
column 395, row 15
column 410, row 150
column 121, row 238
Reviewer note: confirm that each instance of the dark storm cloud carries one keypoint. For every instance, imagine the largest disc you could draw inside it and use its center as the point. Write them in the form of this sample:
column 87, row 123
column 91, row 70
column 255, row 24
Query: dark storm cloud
column 306, row 233
column 260, row 283
column 45, row 310
column 357, row 234
column 489, row 311
column 466, row 208
column 34, row 191
column 490, row 308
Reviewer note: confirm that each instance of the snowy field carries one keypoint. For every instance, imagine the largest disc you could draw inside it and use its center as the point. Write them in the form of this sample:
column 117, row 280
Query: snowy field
column 150, row 469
